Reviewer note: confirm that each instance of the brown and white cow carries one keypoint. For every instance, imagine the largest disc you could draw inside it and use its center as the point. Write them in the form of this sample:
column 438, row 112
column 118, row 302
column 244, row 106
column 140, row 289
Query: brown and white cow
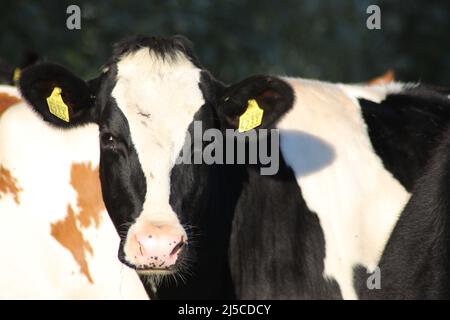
column 57, row 241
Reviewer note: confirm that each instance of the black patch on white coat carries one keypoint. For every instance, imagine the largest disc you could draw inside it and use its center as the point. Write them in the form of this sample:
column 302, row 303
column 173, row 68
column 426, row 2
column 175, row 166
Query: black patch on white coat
column 277, row 245
column 404, row 128
column 416, row 261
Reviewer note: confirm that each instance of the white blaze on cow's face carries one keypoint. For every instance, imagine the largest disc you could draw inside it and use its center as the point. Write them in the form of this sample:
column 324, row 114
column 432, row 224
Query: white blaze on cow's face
column 159, row 97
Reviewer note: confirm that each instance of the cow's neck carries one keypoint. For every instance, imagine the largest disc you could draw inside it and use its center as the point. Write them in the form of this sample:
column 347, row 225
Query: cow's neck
column 277, row 246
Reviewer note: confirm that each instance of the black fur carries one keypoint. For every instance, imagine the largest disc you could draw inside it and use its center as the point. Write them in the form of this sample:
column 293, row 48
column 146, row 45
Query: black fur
column 277, row 247
column 165, row 48
column 7, row 70
column 404, row 128
column 37, row 83
column 416, row 261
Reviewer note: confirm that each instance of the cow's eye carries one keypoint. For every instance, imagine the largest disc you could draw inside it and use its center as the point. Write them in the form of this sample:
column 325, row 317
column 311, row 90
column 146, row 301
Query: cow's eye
column 108, row 140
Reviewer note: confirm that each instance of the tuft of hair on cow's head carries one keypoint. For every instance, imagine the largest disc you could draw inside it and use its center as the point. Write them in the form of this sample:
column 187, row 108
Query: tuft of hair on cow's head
column 145, row 103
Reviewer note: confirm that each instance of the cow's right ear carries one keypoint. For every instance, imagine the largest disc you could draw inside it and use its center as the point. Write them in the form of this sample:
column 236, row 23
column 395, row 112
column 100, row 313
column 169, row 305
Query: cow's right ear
column 59, row 96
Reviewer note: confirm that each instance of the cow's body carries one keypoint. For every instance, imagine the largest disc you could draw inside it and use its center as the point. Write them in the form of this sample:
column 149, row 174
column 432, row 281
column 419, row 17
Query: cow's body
column 57, row 239
column 349, row 157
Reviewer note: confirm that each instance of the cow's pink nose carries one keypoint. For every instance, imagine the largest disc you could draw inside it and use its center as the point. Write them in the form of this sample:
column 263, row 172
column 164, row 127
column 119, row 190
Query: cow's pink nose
column 155, row 247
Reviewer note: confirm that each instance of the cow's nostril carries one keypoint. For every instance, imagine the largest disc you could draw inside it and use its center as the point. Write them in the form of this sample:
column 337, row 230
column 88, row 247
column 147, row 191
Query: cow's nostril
column 178, row 246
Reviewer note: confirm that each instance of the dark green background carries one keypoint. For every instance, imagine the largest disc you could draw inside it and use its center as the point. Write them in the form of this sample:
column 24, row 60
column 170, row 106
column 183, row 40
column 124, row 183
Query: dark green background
column 311, row 38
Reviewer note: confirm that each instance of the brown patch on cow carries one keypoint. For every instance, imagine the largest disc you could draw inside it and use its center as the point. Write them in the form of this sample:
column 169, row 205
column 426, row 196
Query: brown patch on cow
column 8, row 184
column 7, row 101
column 86, row 182
column 67, row 233
column 385, row 78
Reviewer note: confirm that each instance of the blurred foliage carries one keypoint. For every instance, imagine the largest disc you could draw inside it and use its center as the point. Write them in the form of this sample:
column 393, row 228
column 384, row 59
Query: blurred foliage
column 322, row 39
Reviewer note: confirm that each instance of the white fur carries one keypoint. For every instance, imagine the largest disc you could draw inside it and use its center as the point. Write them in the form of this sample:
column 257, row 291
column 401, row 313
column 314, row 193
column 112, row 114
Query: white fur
column 10, row 90
column 375, row 93
column 34, row 265
column 168, row 92
column 356, row 199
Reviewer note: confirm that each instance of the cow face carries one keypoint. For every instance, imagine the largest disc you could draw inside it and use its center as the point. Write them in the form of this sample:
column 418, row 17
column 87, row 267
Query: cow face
column 145, row 103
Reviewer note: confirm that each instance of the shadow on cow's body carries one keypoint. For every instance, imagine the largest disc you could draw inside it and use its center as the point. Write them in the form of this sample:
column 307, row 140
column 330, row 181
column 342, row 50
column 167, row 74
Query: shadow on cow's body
column 313, row 153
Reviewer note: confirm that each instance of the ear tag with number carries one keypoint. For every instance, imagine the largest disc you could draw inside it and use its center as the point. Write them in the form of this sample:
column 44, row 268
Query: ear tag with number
column 252, row 117
column 57, row 106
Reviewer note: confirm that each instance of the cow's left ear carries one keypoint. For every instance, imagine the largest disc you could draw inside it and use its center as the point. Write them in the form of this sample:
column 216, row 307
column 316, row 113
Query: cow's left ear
column 256, row 102
column 59, row 96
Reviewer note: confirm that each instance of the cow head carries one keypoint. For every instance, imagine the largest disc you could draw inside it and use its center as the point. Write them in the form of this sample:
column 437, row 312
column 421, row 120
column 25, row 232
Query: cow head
column 145, row 103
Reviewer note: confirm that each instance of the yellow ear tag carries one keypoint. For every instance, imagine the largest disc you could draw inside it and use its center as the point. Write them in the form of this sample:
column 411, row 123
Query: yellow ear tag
column 57, row 106
column 252, row 117
column 16, row 74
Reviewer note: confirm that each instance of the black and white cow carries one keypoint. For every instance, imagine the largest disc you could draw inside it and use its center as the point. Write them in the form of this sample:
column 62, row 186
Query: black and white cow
column 349, row 156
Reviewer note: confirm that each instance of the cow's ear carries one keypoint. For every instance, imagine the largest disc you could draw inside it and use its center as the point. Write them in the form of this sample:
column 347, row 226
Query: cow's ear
column 256, row 102
column 60, row 97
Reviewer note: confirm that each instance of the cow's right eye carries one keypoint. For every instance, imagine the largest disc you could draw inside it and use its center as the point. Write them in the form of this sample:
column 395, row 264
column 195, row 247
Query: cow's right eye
column 108, row 140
